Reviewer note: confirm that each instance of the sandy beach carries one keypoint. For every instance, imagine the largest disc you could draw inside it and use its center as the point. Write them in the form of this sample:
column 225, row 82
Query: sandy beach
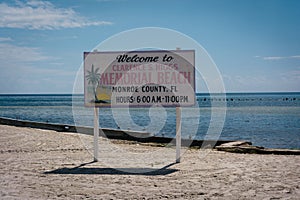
column 42, row 164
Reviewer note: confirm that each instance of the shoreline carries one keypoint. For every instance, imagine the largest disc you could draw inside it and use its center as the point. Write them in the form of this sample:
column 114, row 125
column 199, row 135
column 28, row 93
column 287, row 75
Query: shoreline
column 144, row 137
column 129, row 135
column 45, row 164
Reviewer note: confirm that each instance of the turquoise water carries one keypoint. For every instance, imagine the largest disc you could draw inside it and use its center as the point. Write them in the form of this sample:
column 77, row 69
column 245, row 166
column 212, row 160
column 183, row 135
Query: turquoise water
column 266, row 119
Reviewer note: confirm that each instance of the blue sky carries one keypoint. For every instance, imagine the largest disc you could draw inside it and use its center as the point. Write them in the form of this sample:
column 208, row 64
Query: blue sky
column 255, row 44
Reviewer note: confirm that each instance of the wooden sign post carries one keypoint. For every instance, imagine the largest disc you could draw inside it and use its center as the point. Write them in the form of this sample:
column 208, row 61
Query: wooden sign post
column 178, row 134
column 96, row 134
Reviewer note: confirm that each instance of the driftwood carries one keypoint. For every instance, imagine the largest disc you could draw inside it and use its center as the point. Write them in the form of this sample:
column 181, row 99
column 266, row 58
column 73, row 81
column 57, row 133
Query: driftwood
column 246, row 147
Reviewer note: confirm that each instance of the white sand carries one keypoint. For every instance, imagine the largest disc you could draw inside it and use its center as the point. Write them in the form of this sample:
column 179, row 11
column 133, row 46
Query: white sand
column 39, row 164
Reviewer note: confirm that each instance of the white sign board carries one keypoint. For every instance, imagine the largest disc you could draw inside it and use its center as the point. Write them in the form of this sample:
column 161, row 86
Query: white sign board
column 139, row 78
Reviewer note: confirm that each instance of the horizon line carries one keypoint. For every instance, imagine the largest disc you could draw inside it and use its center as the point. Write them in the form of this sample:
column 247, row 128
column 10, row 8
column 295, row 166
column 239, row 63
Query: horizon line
column 273, row 92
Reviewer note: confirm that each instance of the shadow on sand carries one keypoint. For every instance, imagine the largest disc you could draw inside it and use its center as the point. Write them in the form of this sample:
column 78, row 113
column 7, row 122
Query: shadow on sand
column 114, row 171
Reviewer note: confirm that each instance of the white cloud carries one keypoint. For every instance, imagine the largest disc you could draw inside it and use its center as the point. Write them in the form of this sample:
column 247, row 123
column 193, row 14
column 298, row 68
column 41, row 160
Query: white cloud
column 292, row 74
column 10, row 53
column 42, row 15
column 25, row 69
column 278, row 57
column 5, row 39
column 260, row 82
column 273, row 58
column 298, row 56
column 16, row 78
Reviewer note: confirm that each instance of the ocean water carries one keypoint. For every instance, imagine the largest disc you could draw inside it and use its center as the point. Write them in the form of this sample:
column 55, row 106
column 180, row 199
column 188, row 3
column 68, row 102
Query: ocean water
column 266, row 119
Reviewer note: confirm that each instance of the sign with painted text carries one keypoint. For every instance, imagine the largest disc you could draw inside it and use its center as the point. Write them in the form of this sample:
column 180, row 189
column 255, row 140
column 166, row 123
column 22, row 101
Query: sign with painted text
column 139, row 78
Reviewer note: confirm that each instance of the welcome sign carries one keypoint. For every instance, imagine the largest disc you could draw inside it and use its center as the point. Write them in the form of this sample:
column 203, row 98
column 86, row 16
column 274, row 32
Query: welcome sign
column 139, row 78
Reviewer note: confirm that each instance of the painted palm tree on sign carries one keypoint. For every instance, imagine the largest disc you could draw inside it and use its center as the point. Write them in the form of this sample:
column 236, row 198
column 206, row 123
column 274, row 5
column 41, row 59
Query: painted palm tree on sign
column 93, row 78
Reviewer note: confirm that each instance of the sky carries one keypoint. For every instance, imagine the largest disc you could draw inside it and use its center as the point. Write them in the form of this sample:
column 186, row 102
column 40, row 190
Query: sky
column 255, row 44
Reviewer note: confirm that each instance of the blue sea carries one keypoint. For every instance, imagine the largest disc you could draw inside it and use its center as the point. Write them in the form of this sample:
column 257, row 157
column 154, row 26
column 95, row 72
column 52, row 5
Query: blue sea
column 266, row 119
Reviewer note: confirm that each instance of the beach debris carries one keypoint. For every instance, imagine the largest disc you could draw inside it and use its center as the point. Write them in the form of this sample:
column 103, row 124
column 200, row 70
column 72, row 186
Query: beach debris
column 246, row 147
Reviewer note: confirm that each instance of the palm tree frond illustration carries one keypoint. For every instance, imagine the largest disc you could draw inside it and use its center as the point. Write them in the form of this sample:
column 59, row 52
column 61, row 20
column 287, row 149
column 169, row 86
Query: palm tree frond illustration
column 93, row 77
